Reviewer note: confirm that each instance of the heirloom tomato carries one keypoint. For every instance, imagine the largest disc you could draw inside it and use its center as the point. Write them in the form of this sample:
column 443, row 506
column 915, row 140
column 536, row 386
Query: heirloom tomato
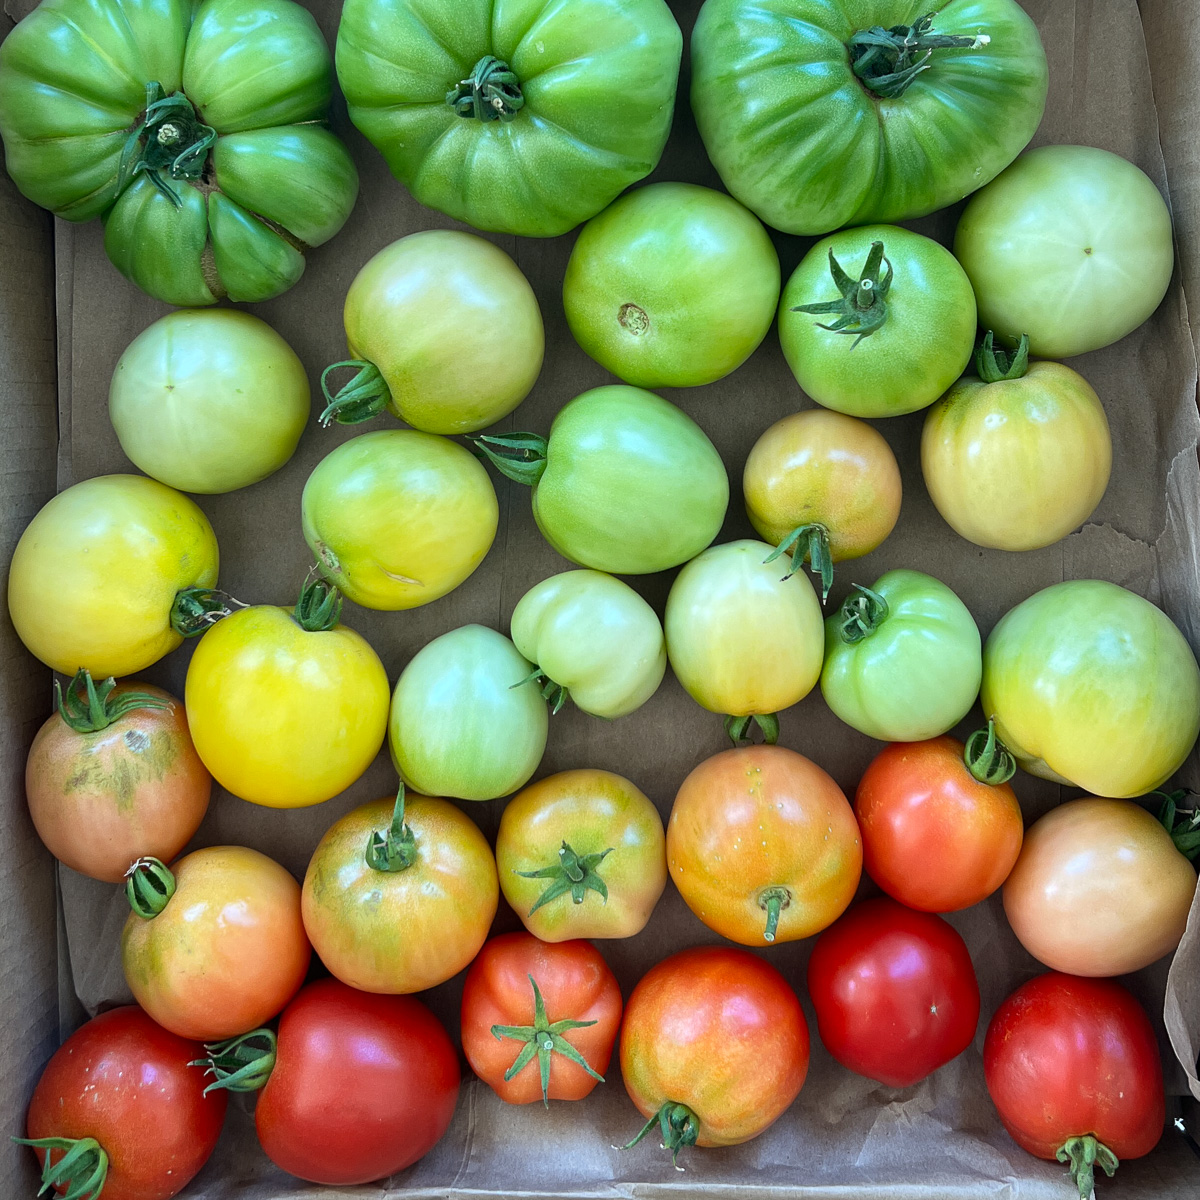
column 898, row 335
column 763, row 845
column 902, row 658
column 821, row 113
column 113, row 776
column 111, row 575
column 626, row 482
column 714, row 1048
column 118, row 1113
column 400, row 894
column 581, row 854
column 526, row 119
column 1072, row 1066
column 1091, row 685
column 443, row 331
column 523, row 999
column 1070, row 245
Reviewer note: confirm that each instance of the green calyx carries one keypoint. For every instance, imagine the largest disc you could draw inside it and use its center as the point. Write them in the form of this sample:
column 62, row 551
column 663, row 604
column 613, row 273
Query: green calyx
column 542, row 1040
column 196, row 608
column 574, row 873
column 808, row 542
column 80, row 1173
column 862, row 612
column 739, row 728
column 168, row 142
column 773, row 901
column 680, row 1127
column 520, row 456
column 88, row 708
column 492, row 92
column 149, row 885
column 993, row 364
column 396, row 848
column 1183, row 824
column 886, row 61
column 553, row 693
column 863, row 306
column 1084, row 1155
column 320, row 606
column 240, row 1064
column 988, row 758
column 365, row 396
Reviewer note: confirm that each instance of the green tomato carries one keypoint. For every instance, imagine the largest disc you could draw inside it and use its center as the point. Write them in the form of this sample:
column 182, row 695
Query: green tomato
column 209, row 400
column 877, row 321
column 1071, row 245
column 674, row 285
column 902, row 658
column 823, row 113
column 626, row 482
column 191, row 129
column 592, row 638
column 460, row 725
column 1091, row 685
column 522, row 118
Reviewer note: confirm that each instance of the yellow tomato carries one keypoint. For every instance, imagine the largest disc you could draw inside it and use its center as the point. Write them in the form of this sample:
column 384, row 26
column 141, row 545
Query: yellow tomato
column 95, row 576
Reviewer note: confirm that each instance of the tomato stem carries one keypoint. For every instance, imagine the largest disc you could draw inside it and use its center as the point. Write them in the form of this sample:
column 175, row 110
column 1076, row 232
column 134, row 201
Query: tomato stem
column 738, row 728
column 812, row 542
column 80, row 1172
column 988, row 758
column 240, row 1064
column 168, row 138
column 862, row 308
column 395, row 850
column 88, row 708
column 680, row 1127
column 887, row 60
column 149, row 886
column 365, row 396
column 196, row 608
column 862, row 612
column 773, row 900
column 575, row 873
column 520, row 456
column 994, row 364
column 319, row 607
column 492, row 92
column 553, row 693
column 1084, row 1154
column 1183, row 824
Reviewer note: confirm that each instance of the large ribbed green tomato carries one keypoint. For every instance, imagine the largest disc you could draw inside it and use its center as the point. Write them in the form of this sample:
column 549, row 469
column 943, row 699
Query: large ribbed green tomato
column 822, row 113
column 1093, row 686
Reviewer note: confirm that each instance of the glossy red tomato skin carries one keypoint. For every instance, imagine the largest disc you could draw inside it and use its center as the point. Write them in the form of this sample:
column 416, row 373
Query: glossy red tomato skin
column 1066, row 1056
column 125, row 1081
column 895, row 992
column 363, row 1085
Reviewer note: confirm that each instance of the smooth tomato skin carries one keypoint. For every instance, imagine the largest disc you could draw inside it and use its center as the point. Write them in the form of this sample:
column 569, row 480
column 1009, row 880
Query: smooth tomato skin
column 895, row 992
column 125, row 1081
column 400, row 931
column 95, row 574
column 934, row 837
column 763, row 817
column 281, row 716
column 363, row 1086
column 1065, row 1057
column 576, row 984
column 592, row 811
column 1099, row 889
column 227, row 952
column 721, row 1031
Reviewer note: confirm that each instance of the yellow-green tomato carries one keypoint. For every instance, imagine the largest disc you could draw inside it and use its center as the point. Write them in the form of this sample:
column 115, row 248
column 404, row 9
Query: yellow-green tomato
column 1094, row 686
column 594, row 639
column 96, row 578
column 460, row 724
column 398, row 518
column 742, row 639
column 209, row 400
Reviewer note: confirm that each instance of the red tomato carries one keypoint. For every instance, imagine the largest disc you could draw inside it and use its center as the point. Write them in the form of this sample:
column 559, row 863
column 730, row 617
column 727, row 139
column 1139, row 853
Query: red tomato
column 525, row 999
column 1072, row 1066
column 938, row 834
column 895, row 992
column 124, row 1081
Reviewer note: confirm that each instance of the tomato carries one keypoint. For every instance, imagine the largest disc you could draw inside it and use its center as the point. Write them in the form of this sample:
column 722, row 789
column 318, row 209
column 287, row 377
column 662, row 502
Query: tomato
column 524, row 1000
column 1099, row 889
column 118, row 1095
column 460, row 725
column 209, row 400
column 1072, row 1066
column 397, row 519
column 674, row 285
column 581, row 854
column 821, row 113
column 822, row 486
column 111, row 574
column 898, row 335
column 902, row 658
column 400, row 894
column 214, row 946
column 895, row 992
column 593, row 639
column 113, row 776
column 194, row 130
column 1093, row 686
column 742, row 640
column 626, row 482
column 714, row 1048
column 444, row 332
column 941, row 827
column 1071, row 245
column 288, row 707
column 522, row 120
column 1018, row 457
column 763, row 846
